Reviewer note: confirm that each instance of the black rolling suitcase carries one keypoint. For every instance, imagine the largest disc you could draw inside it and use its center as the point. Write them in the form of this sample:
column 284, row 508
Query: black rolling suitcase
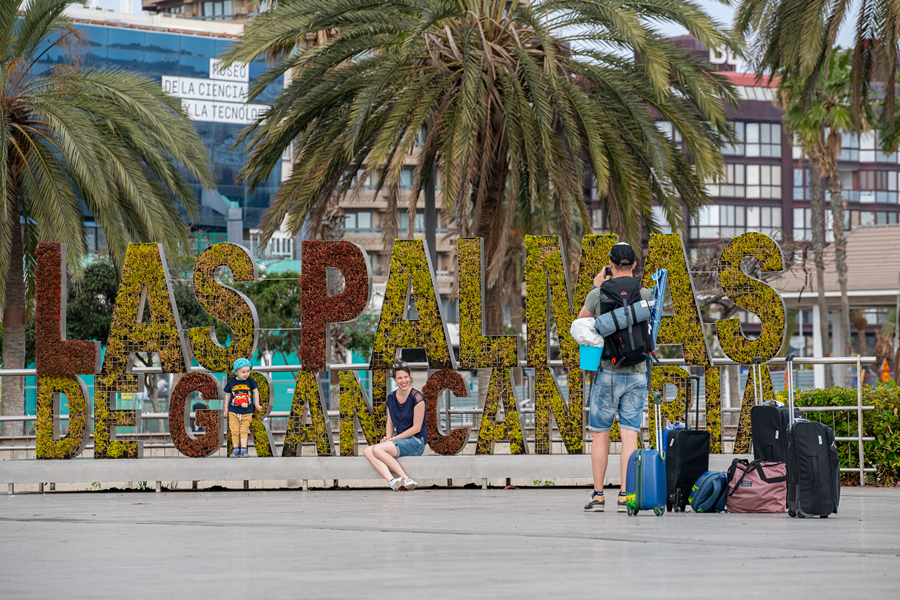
column 813, row 468
column 768, row 423
column 687, row 457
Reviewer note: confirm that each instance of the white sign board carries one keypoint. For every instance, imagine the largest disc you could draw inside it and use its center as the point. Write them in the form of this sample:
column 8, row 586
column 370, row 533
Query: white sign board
column 205, row 89
column 236, row 72
column 223, row 112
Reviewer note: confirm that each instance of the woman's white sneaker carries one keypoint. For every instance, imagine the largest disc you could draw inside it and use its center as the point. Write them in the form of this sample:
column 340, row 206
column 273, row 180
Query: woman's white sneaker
column 396, row 483
column 409, row 484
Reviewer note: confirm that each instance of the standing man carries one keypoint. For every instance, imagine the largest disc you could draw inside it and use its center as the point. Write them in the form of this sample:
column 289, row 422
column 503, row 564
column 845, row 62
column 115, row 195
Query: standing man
column 623, row 388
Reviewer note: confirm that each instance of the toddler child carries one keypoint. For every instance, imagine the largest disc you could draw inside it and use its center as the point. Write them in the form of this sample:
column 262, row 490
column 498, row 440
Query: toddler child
column 238, row 408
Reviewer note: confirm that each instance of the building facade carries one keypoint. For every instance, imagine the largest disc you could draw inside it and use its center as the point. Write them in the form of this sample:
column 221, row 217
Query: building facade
column 182, row 57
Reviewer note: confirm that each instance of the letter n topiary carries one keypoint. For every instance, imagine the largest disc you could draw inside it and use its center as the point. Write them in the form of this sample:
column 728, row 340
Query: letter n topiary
column 225, row 304
column 145, row 276
column 355, row 410
column 455, row 441
column 179, row 416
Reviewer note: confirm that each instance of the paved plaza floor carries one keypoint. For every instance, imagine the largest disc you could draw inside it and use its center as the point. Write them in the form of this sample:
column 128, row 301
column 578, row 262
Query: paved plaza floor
column 433, row 543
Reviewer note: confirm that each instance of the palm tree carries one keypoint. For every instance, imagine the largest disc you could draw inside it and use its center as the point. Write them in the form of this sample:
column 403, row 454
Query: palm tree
column 520, row 104
column 795, row 38
column 108, row 138
column 817, row 115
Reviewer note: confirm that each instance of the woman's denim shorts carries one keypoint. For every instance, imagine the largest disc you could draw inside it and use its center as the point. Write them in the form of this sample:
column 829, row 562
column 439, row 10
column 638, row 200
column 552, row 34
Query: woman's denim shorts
column 411, row 446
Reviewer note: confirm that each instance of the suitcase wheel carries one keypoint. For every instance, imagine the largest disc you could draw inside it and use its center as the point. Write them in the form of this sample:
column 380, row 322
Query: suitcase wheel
column 823, row 516
column 669, row 506
column 658, row 511
column 632, row 511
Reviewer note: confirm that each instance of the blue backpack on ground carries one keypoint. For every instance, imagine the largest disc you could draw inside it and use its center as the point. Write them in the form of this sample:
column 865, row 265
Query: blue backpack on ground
column 710, row 492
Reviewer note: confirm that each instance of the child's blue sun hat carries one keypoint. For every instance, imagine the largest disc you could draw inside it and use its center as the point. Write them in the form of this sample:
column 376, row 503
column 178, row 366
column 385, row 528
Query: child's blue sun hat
column 241, row 362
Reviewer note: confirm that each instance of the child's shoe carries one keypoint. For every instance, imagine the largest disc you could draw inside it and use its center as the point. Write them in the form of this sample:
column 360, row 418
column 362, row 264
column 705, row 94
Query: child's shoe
column 244, row 453
column 236, row 453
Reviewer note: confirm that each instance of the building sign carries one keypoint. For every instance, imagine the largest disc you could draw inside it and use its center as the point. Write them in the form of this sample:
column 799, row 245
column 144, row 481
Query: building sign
column 219, row 99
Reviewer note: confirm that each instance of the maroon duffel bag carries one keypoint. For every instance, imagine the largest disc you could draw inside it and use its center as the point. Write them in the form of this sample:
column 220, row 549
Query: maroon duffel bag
column 757, row 487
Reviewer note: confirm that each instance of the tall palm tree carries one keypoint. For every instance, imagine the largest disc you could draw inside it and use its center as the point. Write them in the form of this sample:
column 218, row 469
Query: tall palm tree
column 818, row 115
column 795, row 38
column 108, row 138
column 520, row 104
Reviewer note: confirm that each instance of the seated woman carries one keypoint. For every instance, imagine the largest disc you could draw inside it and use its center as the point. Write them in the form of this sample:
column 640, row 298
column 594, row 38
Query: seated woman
column 406, row 412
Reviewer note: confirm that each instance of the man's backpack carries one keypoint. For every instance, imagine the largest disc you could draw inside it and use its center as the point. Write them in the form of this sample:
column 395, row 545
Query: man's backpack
column 632, row 342
column 710, row 492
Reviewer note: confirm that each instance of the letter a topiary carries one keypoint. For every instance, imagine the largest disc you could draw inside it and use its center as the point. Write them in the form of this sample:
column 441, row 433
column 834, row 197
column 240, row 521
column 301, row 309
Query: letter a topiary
column 742, row 439
column 225, row 304
column 411, row 267
column 501, row 394
column 144, row 276
column 752, row 295
column 476, row 350
column 307, row 402
column 684, row 326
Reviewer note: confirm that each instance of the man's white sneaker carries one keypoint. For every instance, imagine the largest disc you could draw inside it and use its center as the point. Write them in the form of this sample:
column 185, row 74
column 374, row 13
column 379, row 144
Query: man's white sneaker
column 396, row 483
column 409, row 484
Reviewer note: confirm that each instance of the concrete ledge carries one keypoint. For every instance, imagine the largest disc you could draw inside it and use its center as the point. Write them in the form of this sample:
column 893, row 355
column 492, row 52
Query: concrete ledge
column 342, row 468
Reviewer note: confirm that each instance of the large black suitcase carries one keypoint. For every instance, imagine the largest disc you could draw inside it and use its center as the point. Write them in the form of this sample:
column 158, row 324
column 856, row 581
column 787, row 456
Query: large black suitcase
column 813, row 467
column 768, row 423
column 687, row 456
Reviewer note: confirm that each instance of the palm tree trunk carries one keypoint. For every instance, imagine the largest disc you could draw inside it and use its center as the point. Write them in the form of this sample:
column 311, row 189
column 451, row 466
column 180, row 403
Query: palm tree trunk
column 817, row 212
column 840, row 259
column 12, row 389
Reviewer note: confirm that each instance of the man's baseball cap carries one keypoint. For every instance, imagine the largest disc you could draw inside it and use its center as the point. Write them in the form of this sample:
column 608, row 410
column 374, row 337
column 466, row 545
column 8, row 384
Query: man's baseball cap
column 622, row 254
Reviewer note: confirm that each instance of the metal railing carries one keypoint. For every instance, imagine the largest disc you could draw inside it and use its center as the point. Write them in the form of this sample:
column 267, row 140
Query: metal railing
column 448, row 411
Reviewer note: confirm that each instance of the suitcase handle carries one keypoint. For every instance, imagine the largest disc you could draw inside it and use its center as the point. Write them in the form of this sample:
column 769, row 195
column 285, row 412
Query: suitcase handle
column 756, row 367
column 696, row 386
column 789, row 365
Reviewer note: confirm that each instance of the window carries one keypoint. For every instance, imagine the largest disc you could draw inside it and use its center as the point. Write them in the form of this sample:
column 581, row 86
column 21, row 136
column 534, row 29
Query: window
column 175, row 10
column 763, row 139
column 659, row 216
column 406, row 179
column 802, row 225
column 670, row 132
column 763, row 181
column 732, row 185
column 736, row 149
column 358, row 221
column 849, row 147
column 219, row 8
column 875, row 186
column 801, row 184
column 419, row 225
column 420, row 139
column 764, row 219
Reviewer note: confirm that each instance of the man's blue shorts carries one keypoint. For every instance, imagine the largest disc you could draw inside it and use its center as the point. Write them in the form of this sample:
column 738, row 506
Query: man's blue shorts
column 625, row 392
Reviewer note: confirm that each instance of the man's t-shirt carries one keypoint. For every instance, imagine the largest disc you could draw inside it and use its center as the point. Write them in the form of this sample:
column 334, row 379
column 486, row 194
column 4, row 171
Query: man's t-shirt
column 241, row 391
column 592, row 303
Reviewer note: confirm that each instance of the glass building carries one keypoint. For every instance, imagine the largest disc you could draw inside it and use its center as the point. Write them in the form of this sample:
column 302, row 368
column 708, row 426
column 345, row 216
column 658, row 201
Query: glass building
column 183, row 62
